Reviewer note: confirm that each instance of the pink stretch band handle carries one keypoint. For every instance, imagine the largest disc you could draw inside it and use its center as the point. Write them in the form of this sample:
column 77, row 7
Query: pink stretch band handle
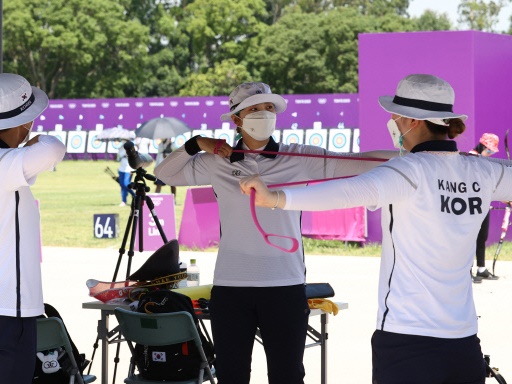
column 266, row 236
column 218, row 144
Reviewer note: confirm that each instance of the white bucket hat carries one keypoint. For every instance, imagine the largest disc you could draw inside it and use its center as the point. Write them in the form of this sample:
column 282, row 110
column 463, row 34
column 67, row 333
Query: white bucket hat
column 248, row 94
column 20, row 103
column 422, row 97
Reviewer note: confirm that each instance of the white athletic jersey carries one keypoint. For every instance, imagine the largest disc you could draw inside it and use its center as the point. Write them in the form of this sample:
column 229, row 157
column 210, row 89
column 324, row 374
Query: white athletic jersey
column 20, row 248
column 244, row 259
column 433, row 204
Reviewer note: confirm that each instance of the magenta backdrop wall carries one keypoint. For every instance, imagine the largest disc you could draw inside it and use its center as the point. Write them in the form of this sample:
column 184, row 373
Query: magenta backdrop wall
column 197, row 112
column 477, row 64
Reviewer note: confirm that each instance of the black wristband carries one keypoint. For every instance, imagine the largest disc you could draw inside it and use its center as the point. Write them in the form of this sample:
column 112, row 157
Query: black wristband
column 191, row 146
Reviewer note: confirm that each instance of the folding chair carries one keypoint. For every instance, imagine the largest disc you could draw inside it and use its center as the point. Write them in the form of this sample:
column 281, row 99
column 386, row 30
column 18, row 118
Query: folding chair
column 158, row 330
column 51, row 334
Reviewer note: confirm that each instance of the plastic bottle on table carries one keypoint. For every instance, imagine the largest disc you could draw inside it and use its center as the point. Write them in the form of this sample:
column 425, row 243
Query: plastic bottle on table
column 193, row 274
column 183, row 268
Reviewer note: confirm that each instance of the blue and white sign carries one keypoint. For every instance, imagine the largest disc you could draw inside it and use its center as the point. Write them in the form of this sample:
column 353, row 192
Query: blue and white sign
column 106, row 225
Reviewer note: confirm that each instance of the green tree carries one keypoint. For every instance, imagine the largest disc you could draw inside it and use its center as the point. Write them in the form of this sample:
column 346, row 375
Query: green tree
column 72, row 48
column 169, row 57
column 480, row 15
column 433, row 21
column 317, row 53
column 376, row 7
column 218, row 80
column 222, row 29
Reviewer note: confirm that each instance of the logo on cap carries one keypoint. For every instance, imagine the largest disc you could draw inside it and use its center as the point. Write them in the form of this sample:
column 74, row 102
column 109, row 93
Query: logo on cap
column 24, row 96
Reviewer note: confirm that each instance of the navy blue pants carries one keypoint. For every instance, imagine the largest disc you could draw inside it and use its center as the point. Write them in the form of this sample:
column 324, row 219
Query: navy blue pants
column 407, row 359
column 281, row 314
column 18, row 339
column 124, row 181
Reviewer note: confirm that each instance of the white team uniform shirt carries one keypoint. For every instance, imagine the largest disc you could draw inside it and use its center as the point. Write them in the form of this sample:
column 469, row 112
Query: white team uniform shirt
column 432, row 204
column 124, row 165
column 20, row 248
column 244, row 258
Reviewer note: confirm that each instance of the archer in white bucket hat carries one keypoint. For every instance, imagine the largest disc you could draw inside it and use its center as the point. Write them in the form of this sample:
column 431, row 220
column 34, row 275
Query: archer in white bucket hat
column 422, row 97
column 247, row 94
column 20, row 103
column 20, row 250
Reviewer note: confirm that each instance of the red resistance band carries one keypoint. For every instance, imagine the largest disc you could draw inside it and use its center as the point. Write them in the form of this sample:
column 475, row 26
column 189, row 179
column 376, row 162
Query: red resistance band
column 267, row 236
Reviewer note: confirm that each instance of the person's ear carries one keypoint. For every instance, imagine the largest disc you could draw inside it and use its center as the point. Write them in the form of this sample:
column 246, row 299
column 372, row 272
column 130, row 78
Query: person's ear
column 415, row 123
column 236, row 118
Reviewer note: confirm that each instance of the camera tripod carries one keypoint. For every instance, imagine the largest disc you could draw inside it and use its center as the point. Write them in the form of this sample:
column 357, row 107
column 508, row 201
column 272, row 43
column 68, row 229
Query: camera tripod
column 136, row 217
column 135, row 221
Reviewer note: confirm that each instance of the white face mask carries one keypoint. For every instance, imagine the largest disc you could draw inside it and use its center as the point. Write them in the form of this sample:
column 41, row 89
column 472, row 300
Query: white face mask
column 28, row 134
column 260, row 125
column 396, row 136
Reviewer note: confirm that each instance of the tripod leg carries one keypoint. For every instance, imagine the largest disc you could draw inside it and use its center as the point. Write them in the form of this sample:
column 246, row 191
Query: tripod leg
column 137, row 202
column 123, row 244
column 94, row 348
column 116, row 362
column 151, row 207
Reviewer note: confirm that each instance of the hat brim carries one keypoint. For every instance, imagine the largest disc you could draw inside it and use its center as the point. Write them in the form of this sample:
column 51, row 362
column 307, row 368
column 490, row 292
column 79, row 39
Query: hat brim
column 278, row 101
column 30, row 114
column 386, row 102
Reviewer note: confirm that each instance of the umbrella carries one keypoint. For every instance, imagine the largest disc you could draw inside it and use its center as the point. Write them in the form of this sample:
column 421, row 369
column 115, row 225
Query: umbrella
column 162, row 128
column 115, row 134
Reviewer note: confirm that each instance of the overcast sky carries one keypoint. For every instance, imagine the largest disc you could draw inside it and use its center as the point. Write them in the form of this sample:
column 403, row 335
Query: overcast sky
column 417, row 7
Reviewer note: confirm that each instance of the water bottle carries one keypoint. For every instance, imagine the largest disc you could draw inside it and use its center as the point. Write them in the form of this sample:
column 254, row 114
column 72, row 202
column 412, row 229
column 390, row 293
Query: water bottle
column 183, row 268
column 193, row 274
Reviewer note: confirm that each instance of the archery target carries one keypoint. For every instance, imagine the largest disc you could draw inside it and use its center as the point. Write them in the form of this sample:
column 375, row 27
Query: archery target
column 113, row 146
column 225, row 134
column 94, row 145
column 180, row 140
column 339, row 140
column 61, row 135
column 293, row 136
column 76, row 142
column 202, row 132
column 356, row 141
column 316, row 137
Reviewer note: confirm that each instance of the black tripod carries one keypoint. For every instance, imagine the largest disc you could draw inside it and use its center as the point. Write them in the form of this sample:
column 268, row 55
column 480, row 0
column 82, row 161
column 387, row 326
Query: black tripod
column 135, row 220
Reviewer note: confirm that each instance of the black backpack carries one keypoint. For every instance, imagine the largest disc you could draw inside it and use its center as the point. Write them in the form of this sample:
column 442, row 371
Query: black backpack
column 62, row 375
column 172, row 362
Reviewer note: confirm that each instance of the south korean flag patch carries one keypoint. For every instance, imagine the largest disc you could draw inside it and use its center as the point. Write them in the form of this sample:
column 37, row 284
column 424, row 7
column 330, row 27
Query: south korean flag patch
column 158, row 357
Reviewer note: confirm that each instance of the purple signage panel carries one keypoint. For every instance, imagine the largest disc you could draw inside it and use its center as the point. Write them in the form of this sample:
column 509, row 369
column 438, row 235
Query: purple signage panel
column 331, row 110
column 164, row 210
column 476, row 64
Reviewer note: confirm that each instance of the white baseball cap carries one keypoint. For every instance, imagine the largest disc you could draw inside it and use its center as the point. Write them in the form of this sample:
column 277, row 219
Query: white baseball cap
column 20, row 103
column 248, row 94
column 422, row 97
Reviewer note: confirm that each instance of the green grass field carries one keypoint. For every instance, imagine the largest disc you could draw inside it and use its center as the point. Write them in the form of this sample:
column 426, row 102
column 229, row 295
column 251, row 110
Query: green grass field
column 70, row 196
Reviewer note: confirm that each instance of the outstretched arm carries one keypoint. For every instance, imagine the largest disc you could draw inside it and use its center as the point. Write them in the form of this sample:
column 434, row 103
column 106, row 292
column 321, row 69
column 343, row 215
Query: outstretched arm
column 172, row 170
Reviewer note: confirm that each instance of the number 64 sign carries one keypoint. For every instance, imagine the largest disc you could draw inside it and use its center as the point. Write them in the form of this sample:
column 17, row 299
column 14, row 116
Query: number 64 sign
column 106, row 226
